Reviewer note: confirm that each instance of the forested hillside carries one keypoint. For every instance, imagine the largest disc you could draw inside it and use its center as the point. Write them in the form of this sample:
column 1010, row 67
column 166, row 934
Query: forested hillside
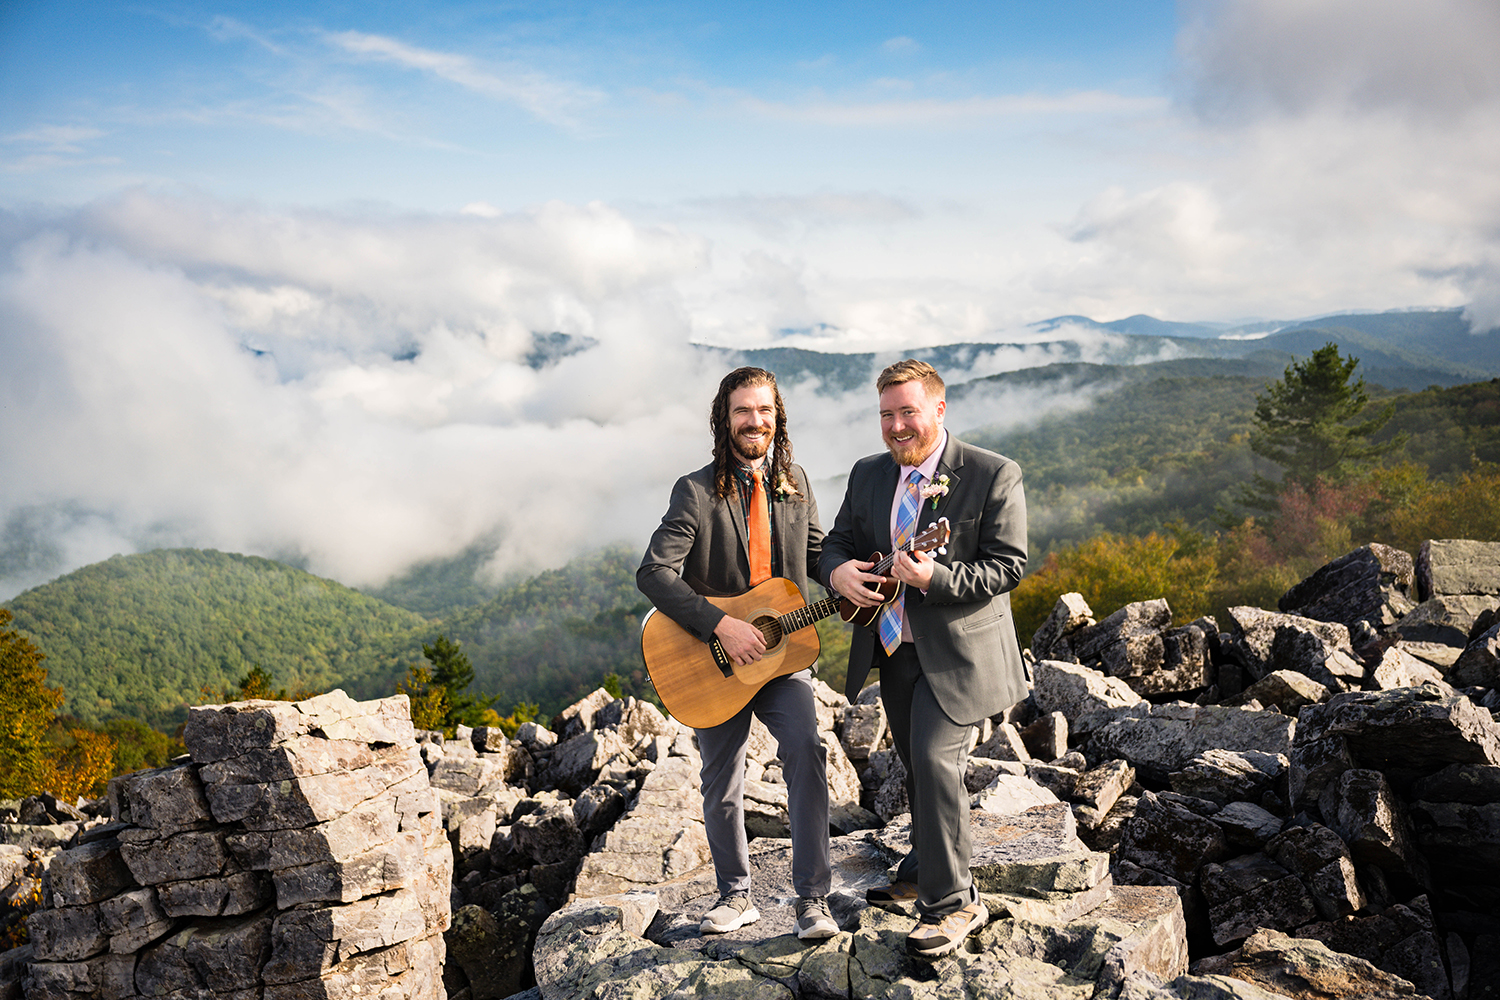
column 1176, row 447
column 555, row 636
column 143, row 636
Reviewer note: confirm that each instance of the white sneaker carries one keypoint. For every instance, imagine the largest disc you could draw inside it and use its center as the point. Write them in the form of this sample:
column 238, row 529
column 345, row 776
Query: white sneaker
column 814, row 922
column 730, row 913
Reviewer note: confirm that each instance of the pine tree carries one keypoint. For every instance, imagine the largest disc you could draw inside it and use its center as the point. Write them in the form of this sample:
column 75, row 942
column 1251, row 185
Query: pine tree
column 453, row 673
column 1308, row 423
column 27, row 707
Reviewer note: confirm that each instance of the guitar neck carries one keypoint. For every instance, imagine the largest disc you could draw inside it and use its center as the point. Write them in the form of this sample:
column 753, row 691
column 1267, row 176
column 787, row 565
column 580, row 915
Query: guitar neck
column 808, row 614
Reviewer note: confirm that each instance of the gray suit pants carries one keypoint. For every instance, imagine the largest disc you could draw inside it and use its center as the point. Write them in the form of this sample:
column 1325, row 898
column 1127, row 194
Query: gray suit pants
column 935, row 750
column 785, row 705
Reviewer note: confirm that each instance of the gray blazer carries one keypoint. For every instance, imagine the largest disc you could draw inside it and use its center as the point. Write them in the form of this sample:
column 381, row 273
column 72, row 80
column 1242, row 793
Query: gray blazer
column 962, row 626
column 702, row 548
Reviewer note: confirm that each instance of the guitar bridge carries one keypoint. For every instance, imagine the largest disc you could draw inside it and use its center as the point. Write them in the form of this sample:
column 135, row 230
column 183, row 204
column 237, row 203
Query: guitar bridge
column 721, row 658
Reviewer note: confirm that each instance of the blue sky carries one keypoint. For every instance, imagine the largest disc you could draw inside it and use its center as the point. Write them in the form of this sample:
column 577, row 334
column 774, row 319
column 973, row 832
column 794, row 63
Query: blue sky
column 437, row 105
column 262, row 264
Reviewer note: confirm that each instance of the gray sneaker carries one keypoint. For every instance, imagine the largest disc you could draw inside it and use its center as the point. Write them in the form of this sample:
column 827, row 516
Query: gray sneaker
column 730, row 913
column 813, row 919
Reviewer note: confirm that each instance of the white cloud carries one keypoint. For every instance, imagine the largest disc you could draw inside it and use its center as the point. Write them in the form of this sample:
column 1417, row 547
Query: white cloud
column 546, row 97
column 56, row 138
column 1430, row 60
column 1330, row 153
column 388, row 416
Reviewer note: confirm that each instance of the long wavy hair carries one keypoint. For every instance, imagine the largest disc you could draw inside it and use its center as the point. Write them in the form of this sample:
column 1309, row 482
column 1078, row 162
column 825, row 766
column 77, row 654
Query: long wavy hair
column 718, row 418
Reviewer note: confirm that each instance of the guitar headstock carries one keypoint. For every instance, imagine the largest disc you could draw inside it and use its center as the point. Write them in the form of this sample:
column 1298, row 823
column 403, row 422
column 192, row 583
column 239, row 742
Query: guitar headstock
column 934, row 537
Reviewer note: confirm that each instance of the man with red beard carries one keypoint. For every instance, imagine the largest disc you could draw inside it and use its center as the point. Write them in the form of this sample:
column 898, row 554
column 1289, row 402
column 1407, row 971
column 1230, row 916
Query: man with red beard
column 946, row 647
column 747, row 516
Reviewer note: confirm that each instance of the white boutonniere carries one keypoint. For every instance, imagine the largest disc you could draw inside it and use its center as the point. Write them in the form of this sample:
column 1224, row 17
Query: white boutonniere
column 934, row 489
column 785, row 487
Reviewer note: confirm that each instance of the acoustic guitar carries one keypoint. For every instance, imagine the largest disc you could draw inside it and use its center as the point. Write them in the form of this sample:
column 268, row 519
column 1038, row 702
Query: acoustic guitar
column 702, row 687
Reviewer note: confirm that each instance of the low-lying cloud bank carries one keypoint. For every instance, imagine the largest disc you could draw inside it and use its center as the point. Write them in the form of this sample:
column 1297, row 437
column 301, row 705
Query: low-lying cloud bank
column 359, row 395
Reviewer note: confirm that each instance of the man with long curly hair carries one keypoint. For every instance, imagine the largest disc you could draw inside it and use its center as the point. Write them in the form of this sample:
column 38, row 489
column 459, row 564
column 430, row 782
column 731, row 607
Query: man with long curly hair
column 747, row 516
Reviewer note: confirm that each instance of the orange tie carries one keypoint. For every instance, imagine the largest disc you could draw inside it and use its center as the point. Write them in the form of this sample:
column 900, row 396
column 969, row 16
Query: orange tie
column 760, row 533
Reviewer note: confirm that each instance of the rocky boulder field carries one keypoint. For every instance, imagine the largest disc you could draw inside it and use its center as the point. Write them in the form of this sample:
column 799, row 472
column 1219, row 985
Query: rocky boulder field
column 1302, row 803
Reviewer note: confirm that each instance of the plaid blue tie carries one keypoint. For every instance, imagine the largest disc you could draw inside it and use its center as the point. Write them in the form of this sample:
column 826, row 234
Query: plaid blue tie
column 906, row 526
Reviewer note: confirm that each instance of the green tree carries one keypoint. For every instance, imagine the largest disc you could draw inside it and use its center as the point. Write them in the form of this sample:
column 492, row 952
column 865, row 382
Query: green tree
column 137, row 745
column 27, row 707
column 453, row 673
column 1309, row 424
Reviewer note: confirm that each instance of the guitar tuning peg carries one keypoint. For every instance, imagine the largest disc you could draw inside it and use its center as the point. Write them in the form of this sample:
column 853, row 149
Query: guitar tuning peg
column 943, row 550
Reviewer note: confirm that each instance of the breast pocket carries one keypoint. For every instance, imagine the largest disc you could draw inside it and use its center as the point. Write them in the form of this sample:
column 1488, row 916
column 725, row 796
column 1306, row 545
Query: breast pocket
column 963, row 540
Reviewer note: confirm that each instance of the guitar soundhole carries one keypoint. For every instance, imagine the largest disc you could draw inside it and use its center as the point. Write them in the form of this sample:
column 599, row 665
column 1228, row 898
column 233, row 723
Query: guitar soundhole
column 770, row 628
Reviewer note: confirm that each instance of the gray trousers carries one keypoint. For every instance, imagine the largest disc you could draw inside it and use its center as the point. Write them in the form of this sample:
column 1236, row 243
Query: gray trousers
column 785, row 705
column 934, row 749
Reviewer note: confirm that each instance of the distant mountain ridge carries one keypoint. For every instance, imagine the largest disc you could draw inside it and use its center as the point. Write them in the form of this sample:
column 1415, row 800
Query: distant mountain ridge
column 1409, row 349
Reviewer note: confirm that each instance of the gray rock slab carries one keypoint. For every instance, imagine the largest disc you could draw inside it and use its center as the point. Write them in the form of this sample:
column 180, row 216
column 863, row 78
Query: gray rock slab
column 1457, row 566
column 1224, row 776
column 1479, row 663
column 1288, row 690
column 66, row 934
column 1079, row 693
column 1069, row 614
column 1008, row 794
column 1169, row 838
column 88, row 873
column 1160, row 739
column 1097, row 790
column 1445, row 620
column 1139, row 929
column 1037, row 849
column 1301, row 967
column 1373, row 583
column 1141, row 617
column 1478, row 784
column 1247, row 825
column 217, row 732
column 1363, row 810
column 1407, row 733
column 864, row 728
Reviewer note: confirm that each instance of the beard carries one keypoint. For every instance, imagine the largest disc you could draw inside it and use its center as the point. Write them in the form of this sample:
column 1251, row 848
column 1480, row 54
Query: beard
column 750, row 451
column 914, row 451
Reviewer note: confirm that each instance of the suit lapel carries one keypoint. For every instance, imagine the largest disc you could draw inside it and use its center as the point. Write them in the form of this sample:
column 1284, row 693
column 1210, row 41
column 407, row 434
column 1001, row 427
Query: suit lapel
column 949, row 465
column 881, row 499
column 741, row 554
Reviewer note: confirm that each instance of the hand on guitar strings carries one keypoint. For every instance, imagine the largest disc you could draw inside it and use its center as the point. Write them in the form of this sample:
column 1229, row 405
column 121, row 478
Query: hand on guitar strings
column 913, row 569
column 743, row 643
column 853, row 582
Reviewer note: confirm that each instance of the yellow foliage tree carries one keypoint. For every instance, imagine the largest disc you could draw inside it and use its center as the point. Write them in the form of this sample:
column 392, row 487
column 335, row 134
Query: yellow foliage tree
column 429, row 701
column 27, row 706
column 1111, row 571
column 1465, row 509
column 86, row 766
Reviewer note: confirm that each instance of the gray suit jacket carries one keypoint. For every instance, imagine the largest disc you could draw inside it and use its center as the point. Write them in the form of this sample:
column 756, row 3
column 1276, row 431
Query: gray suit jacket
column 962, row 626
column 702, row 548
